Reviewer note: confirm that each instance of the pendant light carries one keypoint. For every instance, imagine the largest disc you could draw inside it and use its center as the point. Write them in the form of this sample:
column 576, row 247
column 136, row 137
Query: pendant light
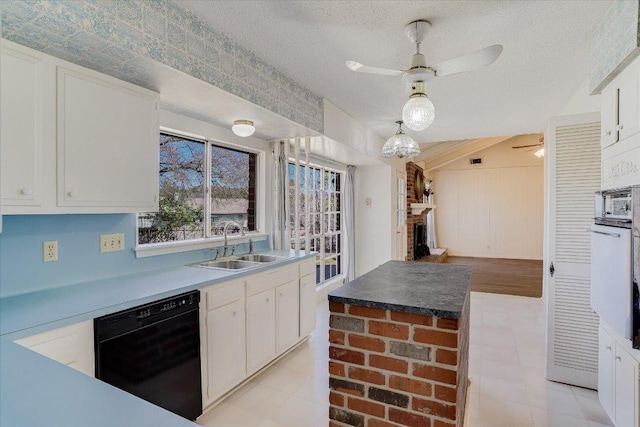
column 400, row 145
column 243, row 128
column 418, row 112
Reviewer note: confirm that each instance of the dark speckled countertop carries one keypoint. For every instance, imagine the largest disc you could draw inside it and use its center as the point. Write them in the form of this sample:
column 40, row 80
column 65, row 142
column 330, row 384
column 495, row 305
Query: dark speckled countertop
column 410, row 287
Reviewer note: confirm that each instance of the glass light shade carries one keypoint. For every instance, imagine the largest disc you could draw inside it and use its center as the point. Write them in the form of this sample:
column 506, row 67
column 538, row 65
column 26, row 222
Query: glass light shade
column 400, row 145
column 243, row 128
column 539, row 153
column 418, row 112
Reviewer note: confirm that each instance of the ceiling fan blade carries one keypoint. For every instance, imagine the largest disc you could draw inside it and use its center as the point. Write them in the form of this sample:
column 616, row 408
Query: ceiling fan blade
column 528, row 146
column 361, row 68
column 468, row 62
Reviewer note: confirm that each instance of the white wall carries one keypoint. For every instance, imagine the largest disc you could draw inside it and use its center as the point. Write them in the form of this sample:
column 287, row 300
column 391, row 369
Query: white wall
column 494, row 209
column 375, row 232
column 581, row 101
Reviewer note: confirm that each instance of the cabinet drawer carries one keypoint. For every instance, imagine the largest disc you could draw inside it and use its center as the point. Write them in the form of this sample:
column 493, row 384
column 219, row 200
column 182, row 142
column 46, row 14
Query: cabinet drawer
column 224, row 294
column 257, row 284
column 307, row 267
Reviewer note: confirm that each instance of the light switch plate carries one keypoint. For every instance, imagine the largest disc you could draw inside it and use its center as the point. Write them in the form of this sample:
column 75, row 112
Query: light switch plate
column 111, row 242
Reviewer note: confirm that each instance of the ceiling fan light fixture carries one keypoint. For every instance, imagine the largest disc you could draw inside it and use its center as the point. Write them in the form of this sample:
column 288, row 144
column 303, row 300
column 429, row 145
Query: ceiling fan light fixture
column 400, row 145
column 539, row 153
column 418, row 112
column 243, row 128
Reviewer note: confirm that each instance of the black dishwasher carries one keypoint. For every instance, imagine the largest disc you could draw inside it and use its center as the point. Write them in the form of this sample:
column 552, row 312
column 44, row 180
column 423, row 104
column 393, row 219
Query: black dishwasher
column 153, row 352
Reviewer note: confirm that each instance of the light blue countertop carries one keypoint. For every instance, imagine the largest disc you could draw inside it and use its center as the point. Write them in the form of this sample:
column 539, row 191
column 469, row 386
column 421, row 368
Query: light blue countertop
column 37, row 391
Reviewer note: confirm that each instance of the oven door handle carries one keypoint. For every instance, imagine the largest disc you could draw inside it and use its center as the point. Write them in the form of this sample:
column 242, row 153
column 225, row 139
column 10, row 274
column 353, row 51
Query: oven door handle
column 605, row 233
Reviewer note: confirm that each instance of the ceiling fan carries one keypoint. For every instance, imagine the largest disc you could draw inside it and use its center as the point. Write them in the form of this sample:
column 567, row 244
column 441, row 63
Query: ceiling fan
column 538, row 153
column 418, row 113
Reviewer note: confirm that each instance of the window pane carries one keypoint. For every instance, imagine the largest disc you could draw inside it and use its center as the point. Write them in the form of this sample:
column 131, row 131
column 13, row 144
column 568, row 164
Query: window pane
column 181, row 205
column 233, row 184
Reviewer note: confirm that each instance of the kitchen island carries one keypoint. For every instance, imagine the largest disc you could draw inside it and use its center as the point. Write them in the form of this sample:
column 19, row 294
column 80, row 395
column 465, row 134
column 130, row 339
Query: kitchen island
column 399, row 346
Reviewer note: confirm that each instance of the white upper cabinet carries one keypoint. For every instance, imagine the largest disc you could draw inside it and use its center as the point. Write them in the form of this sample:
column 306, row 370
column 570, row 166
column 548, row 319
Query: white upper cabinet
column 74, row 140
column 609, row 116
column 21, row 130
column 628, row 123
column 107, row 142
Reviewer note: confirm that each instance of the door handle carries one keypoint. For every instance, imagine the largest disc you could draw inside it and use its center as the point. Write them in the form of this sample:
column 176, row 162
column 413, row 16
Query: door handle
column 552, row 269
column 604, row 233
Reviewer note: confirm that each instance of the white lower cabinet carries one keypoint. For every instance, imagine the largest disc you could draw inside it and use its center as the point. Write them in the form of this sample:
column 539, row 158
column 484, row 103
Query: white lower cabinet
column 261, row 329
column 618, row 379
column 223, row 345
column 70, row 345
column 245, row 325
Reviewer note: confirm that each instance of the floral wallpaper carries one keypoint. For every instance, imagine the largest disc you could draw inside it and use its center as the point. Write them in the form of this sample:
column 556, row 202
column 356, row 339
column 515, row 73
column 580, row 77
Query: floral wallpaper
column 614, row 43
column 126, row 38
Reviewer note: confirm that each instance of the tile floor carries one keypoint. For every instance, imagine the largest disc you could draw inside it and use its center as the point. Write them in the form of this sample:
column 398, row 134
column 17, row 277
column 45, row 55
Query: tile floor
column 506, row 368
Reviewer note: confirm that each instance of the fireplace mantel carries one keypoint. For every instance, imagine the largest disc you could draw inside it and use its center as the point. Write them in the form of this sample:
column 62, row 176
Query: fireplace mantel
column 418, row 208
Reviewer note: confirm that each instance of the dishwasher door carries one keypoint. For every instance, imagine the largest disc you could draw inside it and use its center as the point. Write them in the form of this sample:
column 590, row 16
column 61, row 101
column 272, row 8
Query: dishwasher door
column 611, row 283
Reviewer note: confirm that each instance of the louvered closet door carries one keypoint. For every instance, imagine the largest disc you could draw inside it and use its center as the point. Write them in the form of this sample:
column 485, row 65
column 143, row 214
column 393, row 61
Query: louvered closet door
column 573, row 175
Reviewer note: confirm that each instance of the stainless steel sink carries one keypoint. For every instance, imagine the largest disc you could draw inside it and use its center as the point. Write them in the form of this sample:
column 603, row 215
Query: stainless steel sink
column 260, row 258
column 227, row 264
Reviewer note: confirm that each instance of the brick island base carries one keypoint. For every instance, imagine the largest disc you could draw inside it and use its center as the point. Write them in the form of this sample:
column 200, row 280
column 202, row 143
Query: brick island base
column 389, row 368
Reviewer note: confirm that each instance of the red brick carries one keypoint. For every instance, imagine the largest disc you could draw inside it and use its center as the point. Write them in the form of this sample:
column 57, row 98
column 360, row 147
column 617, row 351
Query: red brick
column 410, row 385
column 388, row 363
column 336, row 337
column 346, row 355
column 445, row 393
column 408, row 419
column 430, row 336
column 373, row 422
column 376, row 313
column 434, row 373
column 336, row 307
column 390, row 330
column 438, row 423
column 416, row 319
column 447, row 357
column 336, row 399
column 336, row 369
column 367, row 407
column 367, row 343
column 431, row 407
column 447, row 323
column 366, row 375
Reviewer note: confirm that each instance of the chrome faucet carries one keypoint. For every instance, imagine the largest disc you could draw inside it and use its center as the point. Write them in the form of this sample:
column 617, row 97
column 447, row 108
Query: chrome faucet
column 225, row 229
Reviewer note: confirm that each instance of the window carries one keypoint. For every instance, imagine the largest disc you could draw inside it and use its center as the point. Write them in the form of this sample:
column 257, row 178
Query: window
column 203, row 185
column 324, row 230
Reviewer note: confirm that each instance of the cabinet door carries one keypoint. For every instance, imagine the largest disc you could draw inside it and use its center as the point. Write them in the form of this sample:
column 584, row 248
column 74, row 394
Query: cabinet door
column 225, row 349
column 605, row 372
column 628, row 104
column 107, row 143
column 626, row 389
column 261, row 329
column 609, row 116
column 288, row 312
column 21, row 130
column 71, row 345
column 307, row 304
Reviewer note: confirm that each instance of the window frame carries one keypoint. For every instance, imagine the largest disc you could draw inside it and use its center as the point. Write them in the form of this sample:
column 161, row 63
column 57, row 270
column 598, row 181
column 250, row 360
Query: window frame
column 213, row 241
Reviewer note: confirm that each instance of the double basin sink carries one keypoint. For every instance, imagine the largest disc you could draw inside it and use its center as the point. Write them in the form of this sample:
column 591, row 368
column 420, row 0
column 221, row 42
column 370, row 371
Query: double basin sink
column 242, row 262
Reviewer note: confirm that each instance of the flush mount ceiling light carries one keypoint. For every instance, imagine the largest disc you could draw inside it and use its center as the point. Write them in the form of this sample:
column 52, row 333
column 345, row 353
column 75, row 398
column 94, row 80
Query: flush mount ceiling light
column 243, row 128
column 400, row 145
column 418, row 113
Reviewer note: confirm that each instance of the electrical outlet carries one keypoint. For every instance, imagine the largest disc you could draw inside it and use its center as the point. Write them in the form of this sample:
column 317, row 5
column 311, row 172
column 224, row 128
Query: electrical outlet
column 50, row 251
column 111, row 242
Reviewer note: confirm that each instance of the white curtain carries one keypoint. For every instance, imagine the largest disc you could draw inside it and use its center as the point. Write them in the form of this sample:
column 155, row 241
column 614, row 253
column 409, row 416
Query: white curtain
column 349, row 224
column 279, row 233
column 431, row 226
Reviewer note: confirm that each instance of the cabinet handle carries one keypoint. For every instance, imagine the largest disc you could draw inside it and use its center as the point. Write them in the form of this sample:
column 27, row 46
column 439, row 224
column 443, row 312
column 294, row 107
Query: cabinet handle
column 25, row 191
column 235, row 313
column 608, row 133
column 619, row 358
column 267, row 299
column 72, row 193
column 619, row 127
column 608, row 347
column 280, row 294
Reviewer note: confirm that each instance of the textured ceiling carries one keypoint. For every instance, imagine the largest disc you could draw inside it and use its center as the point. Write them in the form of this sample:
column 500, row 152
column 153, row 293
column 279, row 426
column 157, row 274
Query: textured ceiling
column 545, row 56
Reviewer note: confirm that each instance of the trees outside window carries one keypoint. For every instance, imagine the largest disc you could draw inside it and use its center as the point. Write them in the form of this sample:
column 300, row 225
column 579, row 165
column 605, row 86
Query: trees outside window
column 202, row 186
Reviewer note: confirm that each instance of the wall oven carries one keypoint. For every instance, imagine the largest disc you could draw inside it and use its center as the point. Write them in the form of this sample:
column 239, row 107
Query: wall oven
column 615, row 267
column 153, row 351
